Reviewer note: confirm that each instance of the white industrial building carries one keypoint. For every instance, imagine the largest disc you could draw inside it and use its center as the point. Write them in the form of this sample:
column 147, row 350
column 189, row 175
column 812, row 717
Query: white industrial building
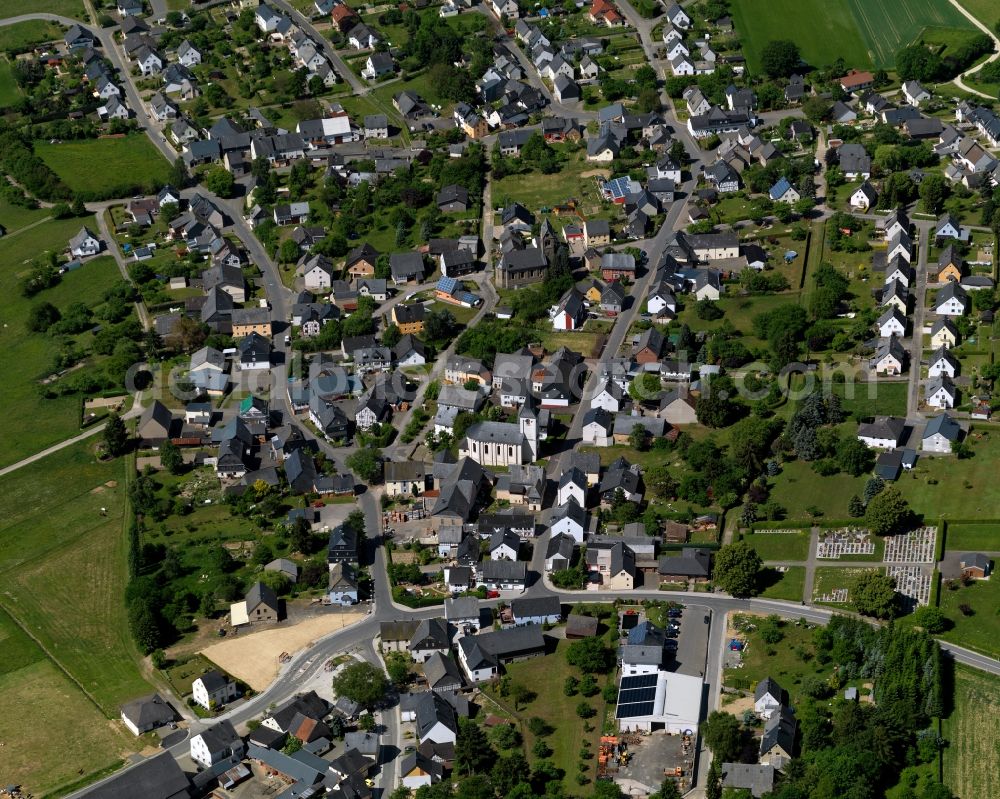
column 662, row 701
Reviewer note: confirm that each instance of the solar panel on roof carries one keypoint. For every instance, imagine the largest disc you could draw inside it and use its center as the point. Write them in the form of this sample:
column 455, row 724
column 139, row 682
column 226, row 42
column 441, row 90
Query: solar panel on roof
column 634, row 709
column 638, row 681
column 637, row 695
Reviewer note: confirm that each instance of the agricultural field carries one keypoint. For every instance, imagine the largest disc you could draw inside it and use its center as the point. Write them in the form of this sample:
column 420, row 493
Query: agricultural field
column 62, row 547
column 865, row 33
column 84, row 165
column 33, row 756
column 64, row 8
column 984, row 10
column 35, row 423
column 971, row 765
column 25, row 34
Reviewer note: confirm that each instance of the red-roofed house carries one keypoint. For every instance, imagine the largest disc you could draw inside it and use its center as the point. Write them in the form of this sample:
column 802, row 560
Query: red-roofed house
column 343, row 17
column 605, row 11
column 854, row 81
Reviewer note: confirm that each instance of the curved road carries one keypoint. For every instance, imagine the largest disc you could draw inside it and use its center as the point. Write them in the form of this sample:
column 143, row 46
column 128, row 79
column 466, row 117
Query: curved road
column 958, row 81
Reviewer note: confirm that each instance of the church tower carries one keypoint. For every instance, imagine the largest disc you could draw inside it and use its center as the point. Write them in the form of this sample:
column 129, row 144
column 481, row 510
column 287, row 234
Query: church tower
column 527, row 419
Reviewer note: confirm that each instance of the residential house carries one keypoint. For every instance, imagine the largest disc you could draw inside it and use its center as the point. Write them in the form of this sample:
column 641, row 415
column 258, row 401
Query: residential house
column 885, row 432
column 218, row 743
column 147, row 713
column 941, row 392
column 212, row 690
column 769, row 697
column 952, row 300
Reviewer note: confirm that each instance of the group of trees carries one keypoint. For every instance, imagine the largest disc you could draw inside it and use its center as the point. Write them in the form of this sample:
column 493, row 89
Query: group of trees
column 920, row 62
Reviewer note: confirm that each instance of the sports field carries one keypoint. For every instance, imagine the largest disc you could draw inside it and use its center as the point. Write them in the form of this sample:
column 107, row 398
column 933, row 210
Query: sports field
column 103, row 168
column 865, row 33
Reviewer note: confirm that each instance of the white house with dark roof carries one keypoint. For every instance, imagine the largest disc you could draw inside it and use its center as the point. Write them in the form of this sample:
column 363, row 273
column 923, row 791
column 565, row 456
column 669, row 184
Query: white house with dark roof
column 885, row 432
column 940, row 433
column 212, row 690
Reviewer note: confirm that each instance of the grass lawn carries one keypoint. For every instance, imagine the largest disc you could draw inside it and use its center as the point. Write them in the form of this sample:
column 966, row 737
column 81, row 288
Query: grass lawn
column 973, row 537
column 872, row 399
column 973, row 734
column 577, row 179
column 33, row 757
column 35, row 423
column 64, row 8
column 115, row 167
column 983, row 10
column 948, row 487
column 798, row 487
column 790, row 586
column 15, row 217
column 780, row 546
column 59, row 551
column 980, row 631
column 25, row 34
column 831, row 578
column 546, row 675
column 9, row 93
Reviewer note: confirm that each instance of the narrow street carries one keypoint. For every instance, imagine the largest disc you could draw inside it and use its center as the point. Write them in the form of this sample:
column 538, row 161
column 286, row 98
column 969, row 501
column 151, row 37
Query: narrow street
column 924, row 230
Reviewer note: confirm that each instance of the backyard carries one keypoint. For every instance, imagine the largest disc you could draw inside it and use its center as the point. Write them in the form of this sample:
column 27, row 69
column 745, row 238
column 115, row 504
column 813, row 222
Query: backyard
column 83, row 165
column 557, row 709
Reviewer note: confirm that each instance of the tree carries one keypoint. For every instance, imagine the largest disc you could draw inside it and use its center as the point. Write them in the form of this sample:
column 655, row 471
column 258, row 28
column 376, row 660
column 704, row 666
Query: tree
column 668, row 790
column 366, row 463
column 363, row 683
column 713, row 781
column 219, row 180
column 42, row 316
column 638, row 439
column 874, row 594
column 737, row 569
column 473, row 753
column 888, row 512
column 855, row 507
column 585, row 711
column 590, row 655
column 398, row 666
column 931, row 619
column 115, row 436
column 780, row 58
column 170, row 457
column 854, row 457
column 932, row 193
column 660, row 482
column 288, row 252
column 721, row 733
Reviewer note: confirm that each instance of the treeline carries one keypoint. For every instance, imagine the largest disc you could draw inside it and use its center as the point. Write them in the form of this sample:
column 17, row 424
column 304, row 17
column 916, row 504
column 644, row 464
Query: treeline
column 18, row 160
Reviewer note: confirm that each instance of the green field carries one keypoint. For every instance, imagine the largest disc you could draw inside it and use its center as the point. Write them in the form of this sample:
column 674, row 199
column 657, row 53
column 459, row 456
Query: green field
column 831, row 578
column 62, row 565
column 798, row 487
column 973, row 537
column 984, row 10
column 64, row 8
column 865, row 33
column 35, row 423
column 112, row 167
column 972, row 757
column 962, row 489
column 981, row 630
column 546, row 676
column 790, row 586
column 84, row 741
column 25, row 34
column 9, row 92
column 780, row 546
column 62, row 562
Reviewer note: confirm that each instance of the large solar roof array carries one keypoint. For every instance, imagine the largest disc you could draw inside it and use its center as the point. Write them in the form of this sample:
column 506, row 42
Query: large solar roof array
column 636, row 696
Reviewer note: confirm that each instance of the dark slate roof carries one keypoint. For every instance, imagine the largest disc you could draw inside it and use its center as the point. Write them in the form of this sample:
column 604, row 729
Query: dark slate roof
column 528, row 607
column 148, row 711
column 769, row 686
column 159, row 777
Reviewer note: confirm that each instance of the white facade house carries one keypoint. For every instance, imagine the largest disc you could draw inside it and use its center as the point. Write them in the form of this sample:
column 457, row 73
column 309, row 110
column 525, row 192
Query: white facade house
column 941, row 393
column 610, row 397
column 212, row 690
column 216, row 744
column 939, row 435
column 569, row 520
column 942, row 364
column 572, row 485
